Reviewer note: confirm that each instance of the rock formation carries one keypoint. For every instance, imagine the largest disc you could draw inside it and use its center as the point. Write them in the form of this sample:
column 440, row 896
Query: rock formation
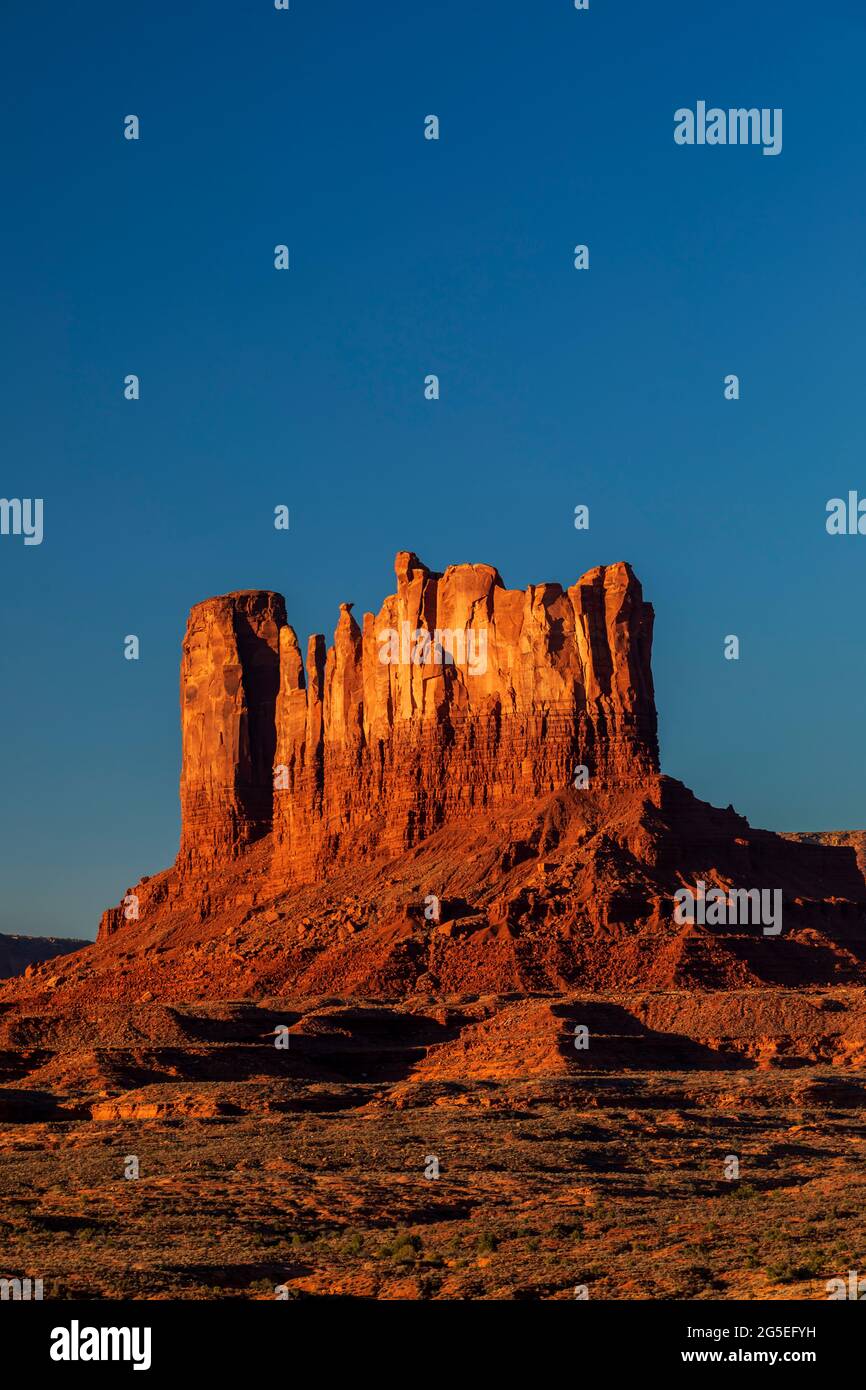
column 459, row 695
column 401, row 811
column 229, row 678
column 387, row 860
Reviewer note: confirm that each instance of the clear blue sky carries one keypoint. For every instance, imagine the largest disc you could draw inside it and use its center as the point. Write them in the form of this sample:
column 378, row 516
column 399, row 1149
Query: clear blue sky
column 306, row 388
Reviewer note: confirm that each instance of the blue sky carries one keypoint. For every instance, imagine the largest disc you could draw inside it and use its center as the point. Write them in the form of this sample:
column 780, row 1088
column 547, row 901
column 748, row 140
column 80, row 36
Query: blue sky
column 409, row 256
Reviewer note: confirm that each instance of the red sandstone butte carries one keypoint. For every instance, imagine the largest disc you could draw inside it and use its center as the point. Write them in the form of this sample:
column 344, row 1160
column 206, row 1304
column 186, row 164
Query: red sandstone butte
column 357, row 756
column 432, row 750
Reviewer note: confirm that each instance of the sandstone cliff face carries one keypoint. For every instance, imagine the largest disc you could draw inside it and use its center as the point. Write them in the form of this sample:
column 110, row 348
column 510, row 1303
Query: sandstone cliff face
column 229, row 681
column 459, row 695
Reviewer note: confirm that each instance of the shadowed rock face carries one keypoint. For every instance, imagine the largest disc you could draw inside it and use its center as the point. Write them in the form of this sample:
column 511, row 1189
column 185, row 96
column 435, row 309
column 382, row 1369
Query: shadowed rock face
column 459, row 695
column 854, row 839
column 229, row 680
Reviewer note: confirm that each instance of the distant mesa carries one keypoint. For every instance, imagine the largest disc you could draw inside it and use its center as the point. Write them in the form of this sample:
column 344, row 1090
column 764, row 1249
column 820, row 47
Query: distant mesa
column 19, row 952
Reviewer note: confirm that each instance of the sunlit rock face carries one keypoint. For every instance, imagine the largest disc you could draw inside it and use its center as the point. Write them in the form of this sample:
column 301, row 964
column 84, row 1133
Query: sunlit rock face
column 458, row 695
column 229, row 681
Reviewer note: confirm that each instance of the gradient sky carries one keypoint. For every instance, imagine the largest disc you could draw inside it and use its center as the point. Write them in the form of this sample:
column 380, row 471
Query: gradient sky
column 306, row 387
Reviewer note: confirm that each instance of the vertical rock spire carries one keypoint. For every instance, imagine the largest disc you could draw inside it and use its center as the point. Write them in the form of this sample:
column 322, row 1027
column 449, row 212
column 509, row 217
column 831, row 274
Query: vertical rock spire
column 229, row 681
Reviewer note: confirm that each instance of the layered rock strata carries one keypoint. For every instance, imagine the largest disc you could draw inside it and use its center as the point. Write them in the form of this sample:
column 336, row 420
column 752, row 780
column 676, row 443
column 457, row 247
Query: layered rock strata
column 458, row 695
